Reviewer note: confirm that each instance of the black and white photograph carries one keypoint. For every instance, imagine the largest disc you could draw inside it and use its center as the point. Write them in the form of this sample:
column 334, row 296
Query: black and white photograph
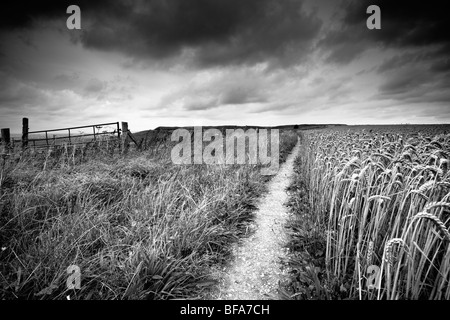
column 223, row 155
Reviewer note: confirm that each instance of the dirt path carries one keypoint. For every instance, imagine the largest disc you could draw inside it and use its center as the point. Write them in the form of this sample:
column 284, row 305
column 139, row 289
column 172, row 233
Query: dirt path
column 257, row 268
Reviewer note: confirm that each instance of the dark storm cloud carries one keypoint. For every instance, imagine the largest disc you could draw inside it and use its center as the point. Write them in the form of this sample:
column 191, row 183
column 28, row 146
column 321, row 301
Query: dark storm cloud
column 437, row 61
column 415, row 84
column 217, row 32
column 425, row 81
column 22, row 14
column 219, row 90
column 242, row 95
column 416, row 31
column 404, row 82
column 404, row 24
column 398, row 61
column 441, row 65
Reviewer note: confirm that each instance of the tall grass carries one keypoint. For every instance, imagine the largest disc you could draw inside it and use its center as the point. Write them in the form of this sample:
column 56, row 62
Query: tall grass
column 381, row 201
column 137, row 226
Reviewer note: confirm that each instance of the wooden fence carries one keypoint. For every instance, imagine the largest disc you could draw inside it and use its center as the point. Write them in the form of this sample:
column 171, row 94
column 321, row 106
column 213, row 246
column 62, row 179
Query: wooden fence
column 67, row 136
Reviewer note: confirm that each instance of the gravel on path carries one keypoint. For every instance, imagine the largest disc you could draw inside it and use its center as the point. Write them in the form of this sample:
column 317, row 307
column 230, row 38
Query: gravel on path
column 257, row 269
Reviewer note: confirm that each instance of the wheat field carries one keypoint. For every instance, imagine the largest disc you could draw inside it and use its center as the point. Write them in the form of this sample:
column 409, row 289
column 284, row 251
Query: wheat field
column 372, row 214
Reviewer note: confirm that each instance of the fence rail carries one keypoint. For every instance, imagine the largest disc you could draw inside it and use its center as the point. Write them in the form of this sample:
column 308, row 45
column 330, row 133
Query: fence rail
column 119, row 132
column 69, row 136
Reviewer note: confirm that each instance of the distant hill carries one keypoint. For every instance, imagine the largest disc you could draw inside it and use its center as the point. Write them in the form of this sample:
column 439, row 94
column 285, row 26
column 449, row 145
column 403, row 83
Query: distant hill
column 290, row 126
column 141, row 134
column 307, row 126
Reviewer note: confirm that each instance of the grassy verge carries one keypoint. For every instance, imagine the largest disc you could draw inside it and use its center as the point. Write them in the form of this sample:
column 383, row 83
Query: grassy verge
column 137, row 226
column 307, row 247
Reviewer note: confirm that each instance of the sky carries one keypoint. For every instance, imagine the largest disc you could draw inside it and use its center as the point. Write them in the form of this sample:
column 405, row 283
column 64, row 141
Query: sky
column 222, row 62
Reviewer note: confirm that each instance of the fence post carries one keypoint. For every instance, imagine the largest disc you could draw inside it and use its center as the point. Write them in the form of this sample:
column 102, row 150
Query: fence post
column 6, row 138
column 125, row 139
column 118, row 137
column 24, row 133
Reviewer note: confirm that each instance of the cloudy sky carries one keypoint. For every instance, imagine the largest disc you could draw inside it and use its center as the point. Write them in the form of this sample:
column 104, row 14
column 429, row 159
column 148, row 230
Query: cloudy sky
column 210, row 62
